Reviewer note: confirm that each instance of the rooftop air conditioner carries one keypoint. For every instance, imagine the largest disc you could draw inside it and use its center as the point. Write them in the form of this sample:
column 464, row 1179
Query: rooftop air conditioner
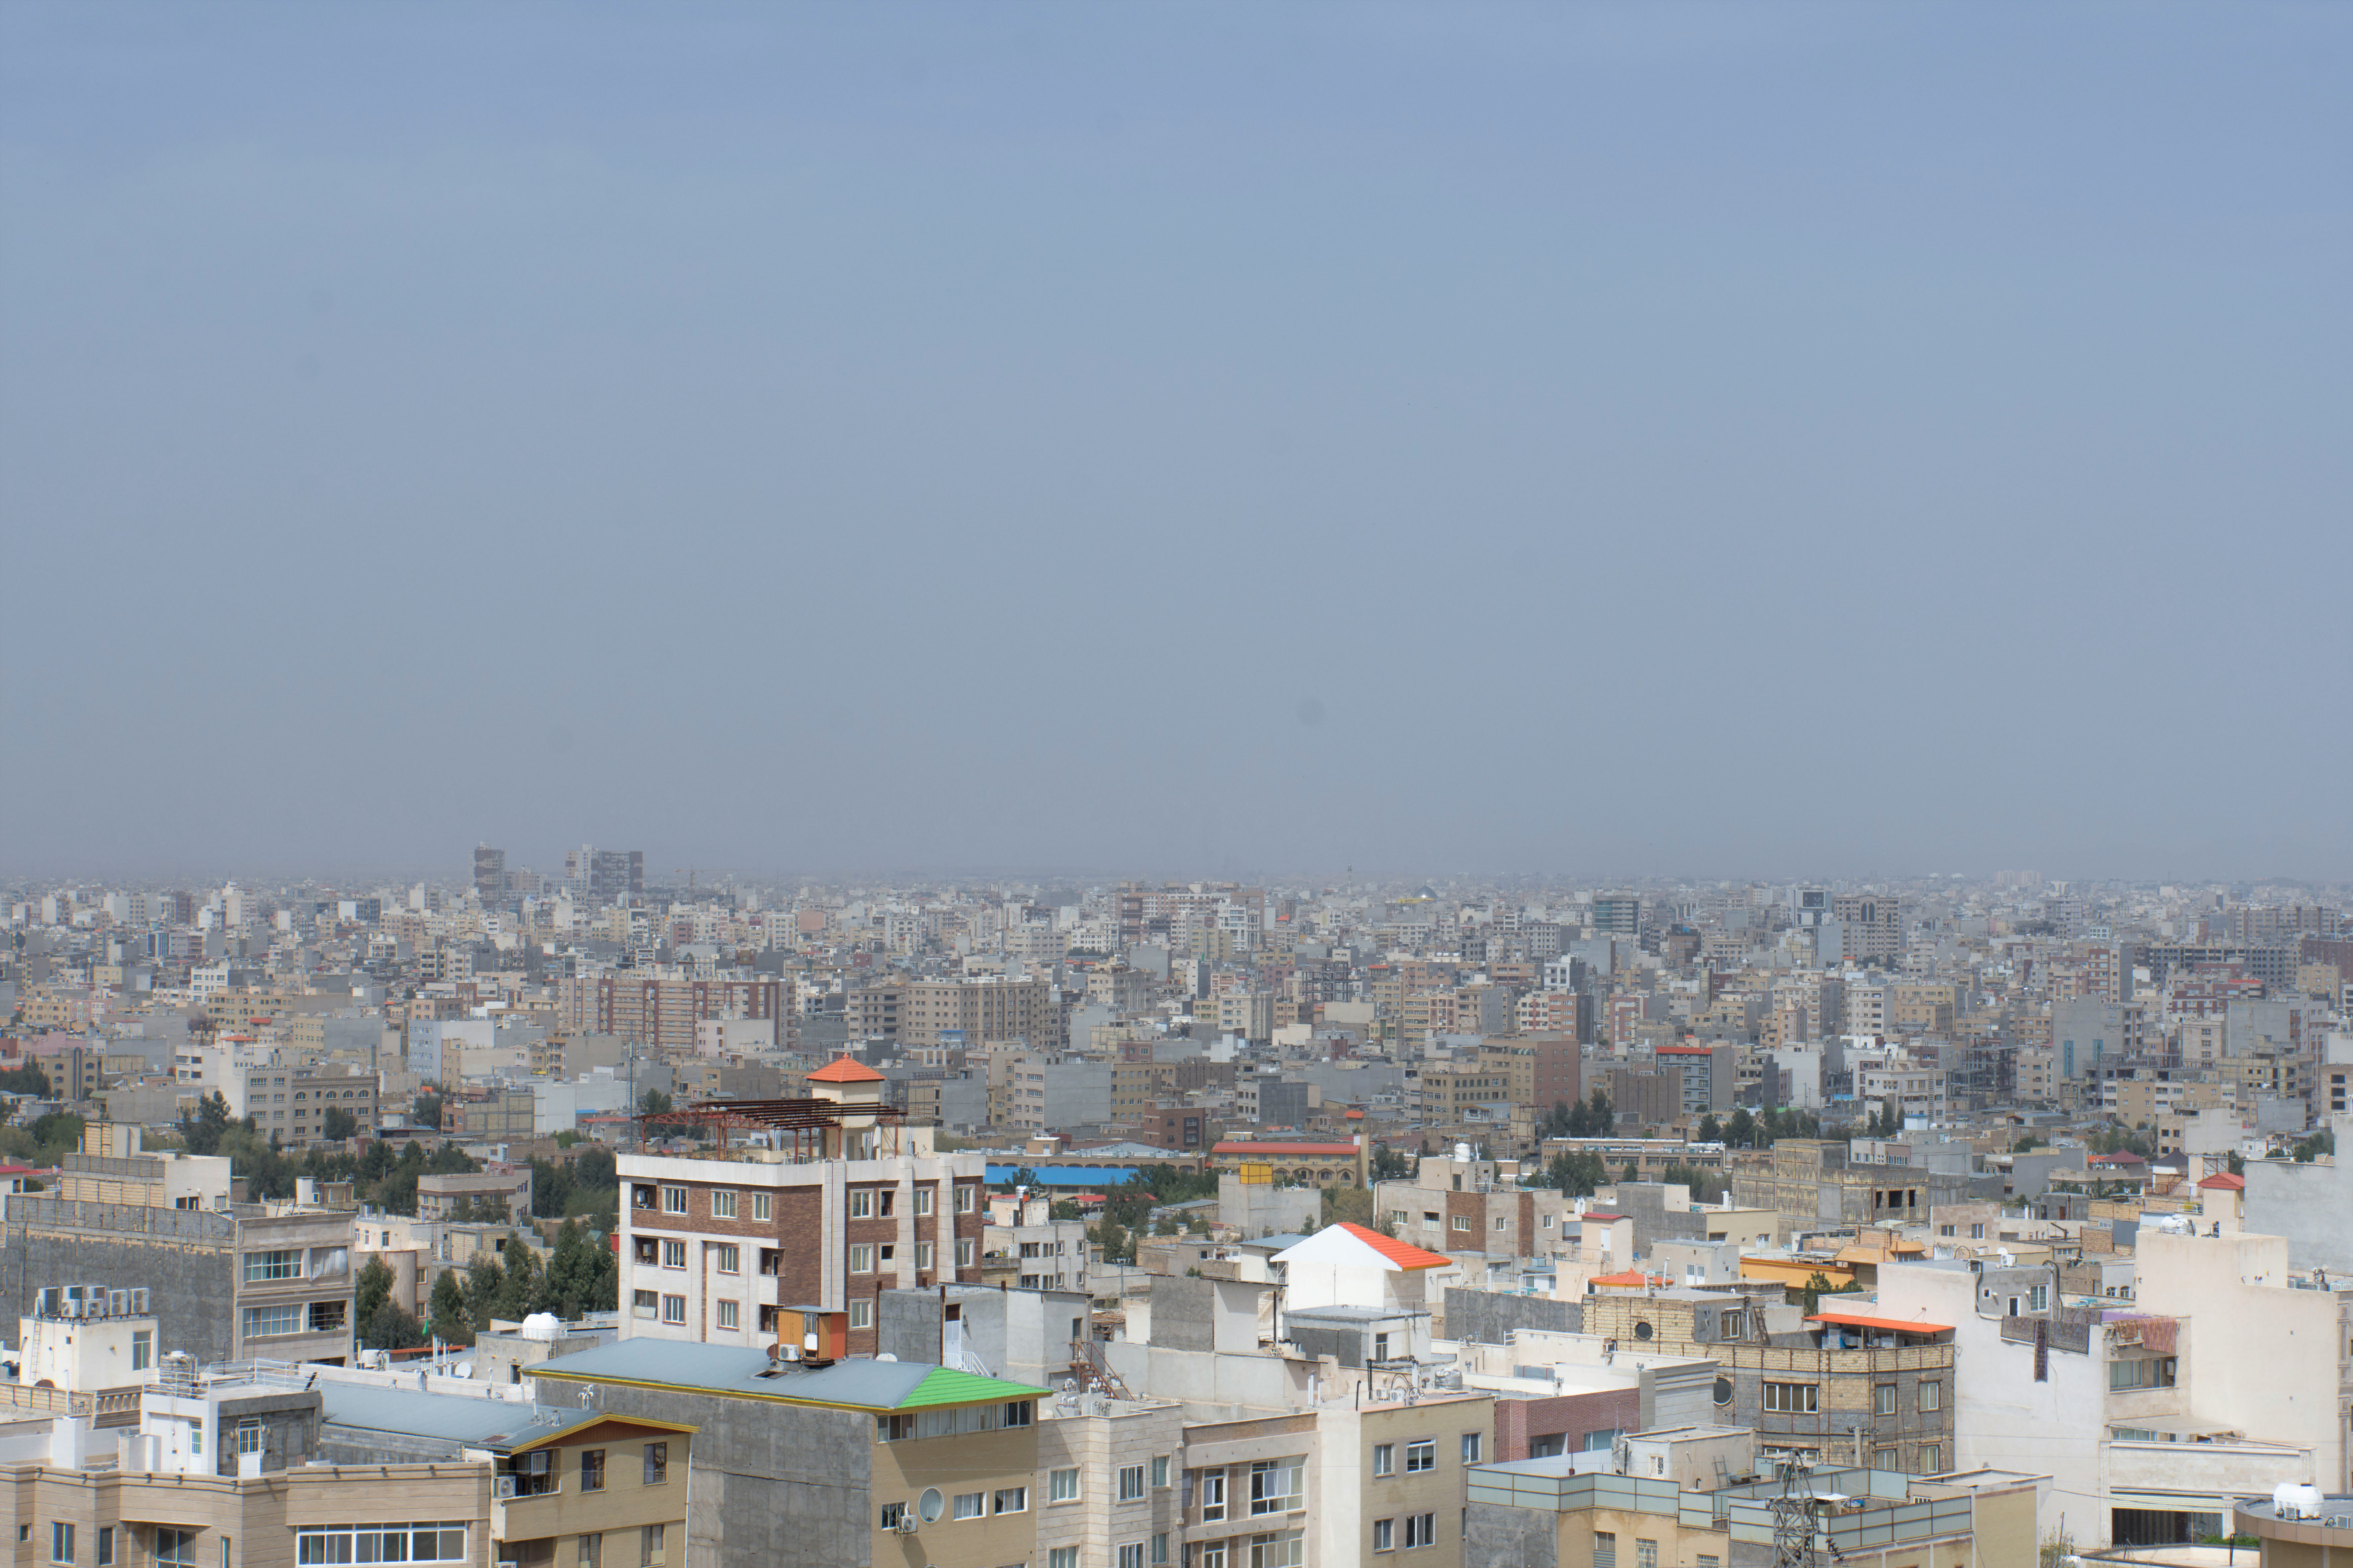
column 502, row 1486
column 908, row 1524
column 139, row 1299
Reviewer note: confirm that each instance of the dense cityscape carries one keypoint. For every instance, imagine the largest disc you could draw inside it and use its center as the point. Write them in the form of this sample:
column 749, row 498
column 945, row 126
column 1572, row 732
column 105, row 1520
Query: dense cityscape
column 1480, row 1222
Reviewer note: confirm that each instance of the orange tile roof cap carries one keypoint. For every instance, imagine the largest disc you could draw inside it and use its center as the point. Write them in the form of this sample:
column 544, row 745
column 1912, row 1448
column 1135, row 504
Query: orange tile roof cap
column 845, row 1068
column 1404, row 1253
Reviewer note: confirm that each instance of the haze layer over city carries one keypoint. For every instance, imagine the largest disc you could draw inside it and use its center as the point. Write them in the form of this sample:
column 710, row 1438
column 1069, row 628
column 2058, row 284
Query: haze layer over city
column 1306, row 786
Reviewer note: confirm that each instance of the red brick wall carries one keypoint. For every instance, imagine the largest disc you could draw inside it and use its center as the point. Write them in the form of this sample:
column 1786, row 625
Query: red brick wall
column 1519, row 1422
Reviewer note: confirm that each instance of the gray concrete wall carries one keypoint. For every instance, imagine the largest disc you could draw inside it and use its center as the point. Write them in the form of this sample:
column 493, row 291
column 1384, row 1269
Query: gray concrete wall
column 907, row 1325
column 1645, row 1202
column 784, row 1486
column 185, row 1257
column 1488, row 1317
column 1183, row 1309
column 1496, row 1535
column 2311, row 1206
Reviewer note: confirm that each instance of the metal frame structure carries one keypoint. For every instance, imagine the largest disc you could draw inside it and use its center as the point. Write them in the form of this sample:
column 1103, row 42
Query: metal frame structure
column 803, row 1118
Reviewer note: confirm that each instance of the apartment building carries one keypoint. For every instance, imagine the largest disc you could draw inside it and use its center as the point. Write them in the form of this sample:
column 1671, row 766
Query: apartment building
column 662, row 1010
column 1863, row 1384
column 858, row 1461
column 1323, row 1165
column 979, row 1010
column 1870, row 926
column 1024, row 1244
column 1450, row 1205
column 843, row 1203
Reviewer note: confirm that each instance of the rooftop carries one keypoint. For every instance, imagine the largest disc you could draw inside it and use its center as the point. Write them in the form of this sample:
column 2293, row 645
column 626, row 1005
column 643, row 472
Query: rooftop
column 857, row 1384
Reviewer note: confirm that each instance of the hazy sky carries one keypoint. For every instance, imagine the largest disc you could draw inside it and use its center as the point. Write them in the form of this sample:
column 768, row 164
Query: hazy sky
column 1745, row 440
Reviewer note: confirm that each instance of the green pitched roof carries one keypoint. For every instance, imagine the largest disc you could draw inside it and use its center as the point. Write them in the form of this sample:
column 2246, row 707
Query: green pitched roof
column 945, row 1385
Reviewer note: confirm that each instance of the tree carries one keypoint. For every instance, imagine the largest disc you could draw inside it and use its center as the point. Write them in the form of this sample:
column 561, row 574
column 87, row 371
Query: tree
column 427, row 1110
column 1389, row 1164
column 371, row 1289
column 389, row 1328
column 1062, row 1208
column 1118, row 1245
column 2026, row 1142
column 1352, row 1204
column 1632, row 1173
column 451, row 1321
column 525, row 1290
column 1605, row 1121
column 2238, row 1164
column 1741, row 1131
column 654, row 1102
column 582, row 1276
column 338, row 1124
column 1711, row 1130
column 26, row 1079
column 484, row 1280
column 202, row 1134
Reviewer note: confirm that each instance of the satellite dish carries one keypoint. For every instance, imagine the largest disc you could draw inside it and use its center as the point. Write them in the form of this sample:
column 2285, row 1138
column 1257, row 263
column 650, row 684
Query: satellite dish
column 928, row 1506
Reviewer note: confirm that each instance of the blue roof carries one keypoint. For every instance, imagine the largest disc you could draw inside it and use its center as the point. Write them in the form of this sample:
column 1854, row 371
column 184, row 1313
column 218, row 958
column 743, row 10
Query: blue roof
column 1066, row 1175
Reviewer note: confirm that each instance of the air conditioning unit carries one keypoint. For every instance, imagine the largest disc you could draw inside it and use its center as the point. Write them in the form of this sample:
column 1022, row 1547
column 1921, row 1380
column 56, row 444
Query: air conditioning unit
column 118, row 1302
column 139, row 1299
column 502, row 1486
column 535, row 1462
column 46, row 1303
column 908, row 1524
column 70, row 1308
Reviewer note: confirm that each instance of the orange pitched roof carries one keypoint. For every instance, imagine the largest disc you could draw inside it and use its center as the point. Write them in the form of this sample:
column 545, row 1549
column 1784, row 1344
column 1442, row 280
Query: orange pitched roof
column 845, row 1068
column 2223, row 1179
column 1898, row 1325
column 1405, row 1255
column 1632, row 1277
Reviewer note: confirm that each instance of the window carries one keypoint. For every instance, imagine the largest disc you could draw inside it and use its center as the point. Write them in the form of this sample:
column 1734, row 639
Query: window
column 1284, row 1550
column 861, row 1203
column 142, row 1349
column 1062, row 1557
column 727, row 1315
column 651, row 1546
column 763, row 1205
column 1160, row 1470
column 1605, row 1549
column 1932, row 1458
column 924, row 1255
column 1976, row 1232
column 1381, row 1347
column 731, row 1259
column 1471, row 1446
column 1130, row 1482
column 643, row 1303
column 1646, row 1553
column 1792, row 1398
column 1420, row 1530
column 673, row 1254
column 673, row 1310
column 1160, row 1548
column 592, row 1469
column 963, row 1198
column 1932, row 1396
column 861, row 1258
column 923, row 1202
column 862, row 1314
column 248, row 1438
column 722, row 1205
column 968, row 1504
column 1883, row 1458
column 1010, row 1500
column 657, row 1463
column 1276, row 1486
column 105, row 1546
column 177, row 1549
column 261, row 1323
column 1462, row 1222
column 1707, row 1560
column 1383, row 1534
column 322, row 1544
column 1213, row 1495
column 592, row 1551
column 1730, row 1325
column 1399, row 1216
column 892, row 1513
column 673, row 1200
column 963, row 1254
column 1131, row 1554
column 61, row 1543
column 2147, row 1372
column 1420, row 1455
column 261, row 1267
column 1884, row 1399
column 2038, row 1296
column 1063, row 1486
column 1383, row 1458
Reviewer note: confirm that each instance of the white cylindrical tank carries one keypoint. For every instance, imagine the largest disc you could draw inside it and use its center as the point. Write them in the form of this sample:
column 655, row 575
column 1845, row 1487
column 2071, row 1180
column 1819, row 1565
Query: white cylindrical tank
column 542, row 1326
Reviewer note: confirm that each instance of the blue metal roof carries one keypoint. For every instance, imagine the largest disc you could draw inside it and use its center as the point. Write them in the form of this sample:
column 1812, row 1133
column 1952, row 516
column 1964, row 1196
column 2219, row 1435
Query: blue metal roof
column 1066, row 1175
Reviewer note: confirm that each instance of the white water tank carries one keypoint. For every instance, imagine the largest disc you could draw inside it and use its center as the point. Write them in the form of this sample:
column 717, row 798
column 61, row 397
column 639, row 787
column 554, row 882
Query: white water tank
column 543, row 1327
column 1463, row 1153
column 2292, row 1500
